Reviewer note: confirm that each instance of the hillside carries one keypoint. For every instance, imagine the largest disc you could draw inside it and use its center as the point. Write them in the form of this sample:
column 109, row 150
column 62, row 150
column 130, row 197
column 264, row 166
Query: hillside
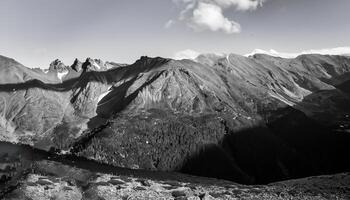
column 38, row 175
column 255, row 119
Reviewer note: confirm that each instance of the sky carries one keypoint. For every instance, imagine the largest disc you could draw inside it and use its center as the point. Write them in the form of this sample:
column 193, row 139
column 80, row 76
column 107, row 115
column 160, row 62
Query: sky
column 36, row 32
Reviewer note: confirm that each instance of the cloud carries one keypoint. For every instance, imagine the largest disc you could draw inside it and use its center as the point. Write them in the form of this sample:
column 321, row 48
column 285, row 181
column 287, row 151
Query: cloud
column 209, row 17
column 169, row 23
column 330, row 51
column 333, row 51
column 272, row 52
column 201, row 15
column 238, row 4
column 186, row 54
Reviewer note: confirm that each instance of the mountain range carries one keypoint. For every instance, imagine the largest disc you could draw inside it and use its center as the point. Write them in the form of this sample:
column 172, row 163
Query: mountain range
column 251, row 120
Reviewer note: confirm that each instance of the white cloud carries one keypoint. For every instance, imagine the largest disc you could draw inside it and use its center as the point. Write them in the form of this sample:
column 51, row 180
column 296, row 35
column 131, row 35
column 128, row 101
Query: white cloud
column 272, row 52
column 331, row 51
column 209, row 17
column 238, row 4
column 203, row 15
column 186, row 54
column 169, row 23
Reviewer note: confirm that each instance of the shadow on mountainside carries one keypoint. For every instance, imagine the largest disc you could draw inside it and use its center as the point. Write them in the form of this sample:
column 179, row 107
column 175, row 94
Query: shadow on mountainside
column 345, row 86
column 291, row 145
column 106, row 77
column 117, row 101
column 24, row 159
column 110, row 104
column 60, row 87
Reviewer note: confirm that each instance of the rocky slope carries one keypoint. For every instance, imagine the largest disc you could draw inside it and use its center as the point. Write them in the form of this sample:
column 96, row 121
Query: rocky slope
column 40, row 175
column 253, row 119
column 107, row 186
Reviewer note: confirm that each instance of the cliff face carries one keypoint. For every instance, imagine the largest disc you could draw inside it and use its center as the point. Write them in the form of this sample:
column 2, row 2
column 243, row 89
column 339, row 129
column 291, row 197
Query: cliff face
column 164, row 114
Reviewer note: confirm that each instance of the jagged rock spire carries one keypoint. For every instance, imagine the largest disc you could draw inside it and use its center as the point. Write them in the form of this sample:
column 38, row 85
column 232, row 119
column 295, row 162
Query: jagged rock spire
column 57, row 65
column 77, row 65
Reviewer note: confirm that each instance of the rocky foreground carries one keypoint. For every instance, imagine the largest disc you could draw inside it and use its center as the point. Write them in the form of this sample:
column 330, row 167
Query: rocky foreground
column 53, row 180
column 31, row 174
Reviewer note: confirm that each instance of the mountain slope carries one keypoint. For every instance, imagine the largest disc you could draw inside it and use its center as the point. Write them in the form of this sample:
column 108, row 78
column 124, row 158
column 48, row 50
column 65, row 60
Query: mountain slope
column 164, row 114
column 35, row 174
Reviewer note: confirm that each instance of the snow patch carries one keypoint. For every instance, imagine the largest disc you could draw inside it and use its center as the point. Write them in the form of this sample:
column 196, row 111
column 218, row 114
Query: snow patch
column 104, row 94
column 61, row 75
column 96, row 65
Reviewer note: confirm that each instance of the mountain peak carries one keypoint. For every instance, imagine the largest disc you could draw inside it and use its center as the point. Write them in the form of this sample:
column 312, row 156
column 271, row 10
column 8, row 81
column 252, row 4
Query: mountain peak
column 93, row 65
column 57, row 65
column 77, row 65
column 5, row 61
column 145, row 60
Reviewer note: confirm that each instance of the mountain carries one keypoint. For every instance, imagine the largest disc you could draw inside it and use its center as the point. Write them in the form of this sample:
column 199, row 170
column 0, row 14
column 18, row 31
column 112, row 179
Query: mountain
column 254, row 119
